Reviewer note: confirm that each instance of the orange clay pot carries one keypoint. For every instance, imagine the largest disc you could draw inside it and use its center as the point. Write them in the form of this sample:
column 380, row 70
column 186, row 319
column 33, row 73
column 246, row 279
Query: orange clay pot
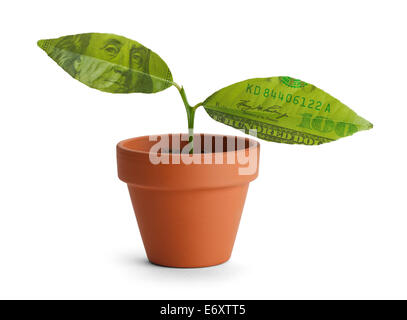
column 188, row 214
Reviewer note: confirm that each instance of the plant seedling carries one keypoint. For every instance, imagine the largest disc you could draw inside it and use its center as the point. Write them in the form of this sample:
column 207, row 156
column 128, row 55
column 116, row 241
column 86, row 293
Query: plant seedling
column 279, row 109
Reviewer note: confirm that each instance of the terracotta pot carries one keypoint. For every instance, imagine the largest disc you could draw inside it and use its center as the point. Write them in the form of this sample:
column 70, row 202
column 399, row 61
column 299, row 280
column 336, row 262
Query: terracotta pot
column 188, row 213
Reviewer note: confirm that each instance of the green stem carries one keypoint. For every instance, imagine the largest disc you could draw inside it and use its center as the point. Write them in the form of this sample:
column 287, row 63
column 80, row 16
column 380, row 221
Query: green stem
column 190, row 115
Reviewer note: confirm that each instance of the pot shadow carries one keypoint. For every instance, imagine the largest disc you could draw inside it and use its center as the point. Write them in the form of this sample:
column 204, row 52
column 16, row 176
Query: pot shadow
column 220, row 272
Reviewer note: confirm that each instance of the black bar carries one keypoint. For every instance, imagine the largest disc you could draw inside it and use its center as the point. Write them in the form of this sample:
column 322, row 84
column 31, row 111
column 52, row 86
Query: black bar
column 207, row 309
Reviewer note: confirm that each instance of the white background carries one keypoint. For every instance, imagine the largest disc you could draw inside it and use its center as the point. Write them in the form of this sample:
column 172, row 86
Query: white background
column 319, row 222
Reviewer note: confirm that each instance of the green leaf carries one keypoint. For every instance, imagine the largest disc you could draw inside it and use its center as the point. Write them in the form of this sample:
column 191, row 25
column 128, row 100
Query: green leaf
column 109, row 62
column 283, row 109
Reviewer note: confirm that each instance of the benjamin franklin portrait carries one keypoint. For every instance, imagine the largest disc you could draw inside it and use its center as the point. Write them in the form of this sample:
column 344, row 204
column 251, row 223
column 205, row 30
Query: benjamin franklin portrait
column 129, row 66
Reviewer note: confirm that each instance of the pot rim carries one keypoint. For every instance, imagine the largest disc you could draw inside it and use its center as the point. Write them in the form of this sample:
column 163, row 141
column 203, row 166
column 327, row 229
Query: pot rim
column 253, row 144
column 203, row 170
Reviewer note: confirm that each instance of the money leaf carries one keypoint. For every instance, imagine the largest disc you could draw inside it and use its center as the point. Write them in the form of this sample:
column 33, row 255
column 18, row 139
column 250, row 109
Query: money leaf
column 109, row 62
column 283, row 109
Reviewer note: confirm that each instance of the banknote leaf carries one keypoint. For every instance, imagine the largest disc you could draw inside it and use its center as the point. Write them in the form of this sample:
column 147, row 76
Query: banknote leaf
column 285, row 110
column 109, row 62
